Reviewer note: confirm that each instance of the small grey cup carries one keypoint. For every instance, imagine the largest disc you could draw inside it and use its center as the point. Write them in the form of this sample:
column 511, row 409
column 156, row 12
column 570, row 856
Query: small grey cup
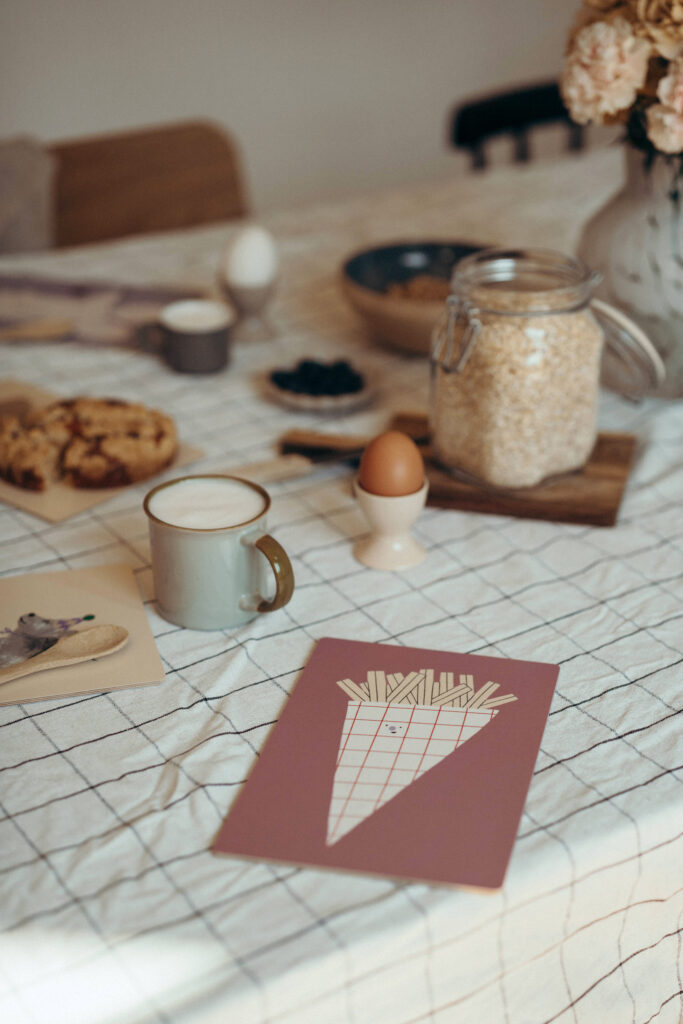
column 192, row 335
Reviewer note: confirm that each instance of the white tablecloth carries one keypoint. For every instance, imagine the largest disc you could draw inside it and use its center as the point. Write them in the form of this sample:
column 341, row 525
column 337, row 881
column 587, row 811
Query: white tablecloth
column 113, row 908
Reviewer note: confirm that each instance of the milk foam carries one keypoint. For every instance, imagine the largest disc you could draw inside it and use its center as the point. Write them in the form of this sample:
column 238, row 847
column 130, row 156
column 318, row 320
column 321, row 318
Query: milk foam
column 196, row 315
column 206, row 503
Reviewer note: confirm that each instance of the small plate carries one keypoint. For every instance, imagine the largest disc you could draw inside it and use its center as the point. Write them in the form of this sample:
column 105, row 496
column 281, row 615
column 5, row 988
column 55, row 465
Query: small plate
column 325, row 405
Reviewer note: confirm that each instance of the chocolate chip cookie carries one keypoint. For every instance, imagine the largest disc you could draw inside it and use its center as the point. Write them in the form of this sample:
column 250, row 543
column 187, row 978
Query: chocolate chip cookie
column 88, row 442
column 28, row 457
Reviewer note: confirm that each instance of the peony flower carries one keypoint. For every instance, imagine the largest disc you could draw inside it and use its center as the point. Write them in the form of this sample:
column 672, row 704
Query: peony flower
column 599, row 10
column 670, row 88
column 661, row 21
column 665, row 128
column 664, row 120
column 605, row 67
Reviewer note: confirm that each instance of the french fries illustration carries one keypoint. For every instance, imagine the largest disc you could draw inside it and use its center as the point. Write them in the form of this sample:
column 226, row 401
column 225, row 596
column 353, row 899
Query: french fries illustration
column 396, row 728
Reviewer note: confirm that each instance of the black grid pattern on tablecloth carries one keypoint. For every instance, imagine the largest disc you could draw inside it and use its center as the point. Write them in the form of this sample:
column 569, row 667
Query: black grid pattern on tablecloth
column 604, row 605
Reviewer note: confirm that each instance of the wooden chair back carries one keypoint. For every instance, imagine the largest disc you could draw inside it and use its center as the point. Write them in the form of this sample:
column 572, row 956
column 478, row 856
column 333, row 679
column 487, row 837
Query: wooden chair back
column 512, row 113
column 154, row 179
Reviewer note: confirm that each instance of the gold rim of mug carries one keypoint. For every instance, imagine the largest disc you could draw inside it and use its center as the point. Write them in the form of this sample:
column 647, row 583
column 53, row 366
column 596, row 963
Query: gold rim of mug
column 207, row 476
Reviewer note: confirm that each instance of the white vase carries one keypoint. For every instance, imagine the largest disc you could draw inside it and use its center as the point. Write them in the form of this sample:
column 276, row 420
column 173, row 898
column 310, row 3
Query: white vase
column 636, row 242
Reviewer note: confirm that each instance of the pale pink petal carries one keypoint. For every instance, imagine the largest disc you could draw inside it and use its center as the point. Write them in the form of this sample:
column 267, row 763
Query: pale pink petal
column 670, row 88
column 665, row 128
column 604, row 70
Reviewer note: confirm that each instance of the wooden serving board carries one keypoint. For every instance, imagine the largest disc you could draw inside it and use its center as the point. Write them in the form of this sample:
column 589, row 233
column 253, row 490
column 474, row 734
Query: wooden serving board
column 591, row 495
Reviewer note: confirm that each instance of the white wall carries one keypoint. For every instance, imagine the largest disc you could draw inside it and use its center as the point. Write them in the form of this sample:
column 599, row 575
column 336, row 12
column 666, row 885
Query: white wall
column 326, row 97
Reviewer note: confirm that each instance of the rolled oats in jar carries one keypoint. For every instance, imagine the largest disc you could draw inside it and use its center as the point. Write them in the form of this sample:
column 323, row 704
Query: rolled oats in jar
column 515, row 368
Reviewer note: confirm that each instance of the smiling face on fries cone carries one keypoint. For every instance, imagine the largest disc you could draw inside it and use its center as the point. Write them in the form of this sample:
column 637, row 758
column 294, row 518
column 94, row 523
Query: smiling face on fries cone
column 397, row 728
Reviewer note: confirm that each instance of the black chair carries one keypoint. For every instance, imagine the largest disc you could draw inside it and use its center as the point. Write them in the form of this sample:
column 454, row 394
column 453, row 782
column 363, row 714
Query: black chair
column 511, row 113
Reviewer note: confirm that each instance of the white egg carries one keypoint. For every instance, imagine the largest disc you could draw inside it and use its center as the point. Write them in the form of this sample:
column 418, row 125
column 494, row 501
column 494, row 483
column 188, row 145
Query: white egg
column 250, row 260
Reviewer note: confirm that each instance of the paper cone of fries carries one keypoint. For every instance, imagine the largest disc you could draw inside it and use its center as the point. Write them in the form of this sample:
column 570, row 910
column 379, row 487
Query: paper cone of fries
column 396, row 729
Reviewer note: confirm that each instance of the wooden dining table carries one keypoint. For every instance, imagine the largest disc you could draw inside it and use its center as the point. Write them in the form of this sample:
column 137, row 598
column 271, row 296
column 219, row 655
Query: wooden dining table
column 113, row 907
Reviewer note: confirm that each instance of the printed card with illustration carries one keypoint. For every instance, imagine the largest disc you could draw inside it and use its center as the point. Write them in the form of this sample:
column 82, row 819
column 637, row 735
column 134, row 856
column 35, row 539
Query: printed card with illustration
column 72, row 632
column 397, row 761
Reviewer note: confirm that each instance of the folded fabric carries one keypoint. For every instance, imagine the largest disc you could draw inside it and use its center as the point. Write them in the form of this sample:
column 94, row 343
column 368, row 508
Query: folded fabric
column 102, row 312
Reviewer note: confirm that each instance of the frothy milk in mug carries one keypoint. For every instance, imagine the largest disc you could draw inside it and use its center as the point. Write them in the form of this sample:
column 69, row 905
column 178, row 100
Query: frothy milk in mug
column 206, row 503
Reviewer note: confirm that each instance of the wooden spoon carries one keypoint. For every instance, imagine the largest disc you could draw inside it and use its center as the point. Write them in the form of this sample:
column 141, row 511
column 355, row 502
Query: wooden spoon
column 94, row 642
column 37, row 330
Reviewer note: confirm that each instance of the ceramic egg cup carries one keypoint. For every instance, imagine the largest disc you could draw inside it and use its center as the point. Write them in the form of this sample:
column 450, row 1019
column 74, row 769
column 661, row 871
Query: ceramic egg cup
column 250, row 302
column 390, row 545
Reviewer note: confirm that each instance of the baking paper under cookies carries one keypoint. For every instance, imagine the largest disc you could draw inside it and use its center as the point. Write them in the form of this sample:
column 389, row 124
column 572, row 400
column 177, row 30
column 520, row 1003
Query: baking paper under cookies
column 61, row 501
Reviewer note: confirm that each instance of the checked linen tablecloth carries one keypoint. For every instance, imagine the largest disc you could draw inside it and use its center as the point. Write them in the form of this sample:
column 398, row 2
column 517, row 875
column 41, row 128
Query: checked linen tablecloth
column 113, row 908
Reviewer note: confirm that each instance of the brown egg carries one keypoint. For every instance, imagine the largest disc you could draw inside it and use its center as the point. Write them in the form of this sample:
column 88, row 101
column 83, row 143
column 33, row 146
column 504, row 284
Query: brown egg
column 391, row 465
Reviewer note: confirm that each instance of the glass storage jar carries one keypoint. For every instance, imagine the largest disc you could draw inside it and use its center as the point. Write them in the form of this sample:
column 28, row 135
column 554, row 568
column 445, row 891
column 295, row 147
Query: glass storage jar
column 516, row 367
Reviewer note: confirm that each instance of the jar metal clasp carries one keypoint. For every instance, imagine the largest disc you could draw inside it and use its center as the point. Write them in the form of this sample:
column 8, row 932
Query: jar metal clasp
column 444, row 351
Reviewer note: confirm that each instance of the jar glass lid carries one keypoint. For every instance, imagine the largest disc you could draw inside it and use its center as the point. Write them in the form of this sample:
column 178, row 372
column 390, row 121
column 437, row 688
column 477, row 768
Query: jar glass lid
column 631, row 365
column 521, row 282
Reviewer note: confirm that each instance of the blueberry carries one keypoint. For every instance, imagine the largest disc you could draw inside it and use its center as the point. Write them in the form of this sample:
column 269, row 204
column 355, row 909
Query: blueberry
column 311, row 377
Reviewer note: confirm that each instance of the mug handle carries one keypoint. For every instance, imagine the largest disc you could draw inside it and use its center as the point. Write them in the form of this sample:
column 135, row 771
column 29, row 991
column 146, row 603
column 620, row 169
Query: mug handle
column 149, row 337
column 282, row 569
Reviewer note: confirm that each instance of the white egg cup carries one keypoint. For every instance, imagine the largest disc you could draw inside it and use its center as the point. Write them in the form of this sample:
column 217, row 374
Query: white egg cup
column 250, row 302
column 390, row 545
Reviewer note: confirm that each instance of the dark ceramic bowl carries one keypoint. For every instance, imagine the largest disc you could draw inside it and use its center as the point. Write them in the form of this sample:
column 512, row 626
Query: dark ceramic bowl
column 401, row 322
